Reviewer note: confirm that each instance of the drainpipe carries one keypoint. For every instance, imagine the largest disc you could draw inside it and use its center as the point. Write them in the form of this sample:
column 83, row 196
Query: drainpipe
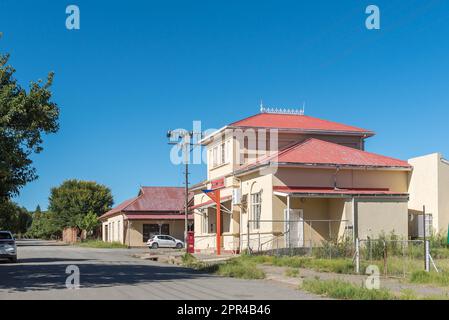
column 287, row 227
column 240, row 214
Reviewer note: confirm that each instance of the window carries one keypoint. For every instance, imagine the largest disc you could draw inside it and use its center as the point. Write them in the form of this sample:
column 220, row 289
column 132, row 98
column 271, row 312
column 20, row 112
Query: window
column 256, row 209
column 112, row 232
column 118, row 230
column 150, row 230
column 223, row 153
column 215, row 156
column 204, row 228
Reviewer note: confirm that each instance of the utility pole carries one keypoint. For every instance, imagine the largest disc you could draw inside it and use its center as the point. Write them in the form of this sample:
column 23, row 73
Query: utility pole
column 186, row 223
column 184, row 138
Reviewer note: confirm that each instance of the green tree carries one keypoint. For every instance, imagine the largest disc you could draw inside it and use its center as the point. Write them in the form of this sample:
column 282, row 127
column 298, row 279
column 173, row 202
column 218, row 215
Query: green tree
column 14, row 218
column 44, row 226
column 74, row 199
column 89, row 222
column 25, row 116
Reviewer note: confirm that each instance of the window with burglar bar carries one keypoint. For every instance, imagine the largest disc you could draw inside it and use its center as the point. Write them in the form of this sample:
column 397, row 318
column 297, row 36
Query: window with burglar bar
column 256, row 209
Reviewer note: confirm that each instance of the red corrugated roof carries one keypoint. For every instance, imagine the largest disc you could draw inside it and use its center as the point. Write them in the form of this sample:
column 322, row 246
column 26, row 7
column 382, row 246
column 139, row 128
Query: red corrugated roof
column 319, row 152
column 300, row 122
column 157, row 217
column 153, row 199
column 333, row 191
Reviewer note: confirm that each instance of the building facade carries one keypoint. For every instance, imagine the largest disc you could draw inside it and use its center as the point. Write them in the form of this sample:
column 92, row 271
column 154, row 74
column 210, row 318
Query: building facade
column 155, row 210
column 429, row 188
column 290, row 180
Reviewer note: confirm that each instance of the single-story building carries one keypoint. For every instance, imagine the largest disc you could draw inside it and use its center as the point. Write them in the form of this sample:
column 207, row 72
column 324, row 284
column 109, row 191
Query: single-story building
column 429, row 187
column 155, row 210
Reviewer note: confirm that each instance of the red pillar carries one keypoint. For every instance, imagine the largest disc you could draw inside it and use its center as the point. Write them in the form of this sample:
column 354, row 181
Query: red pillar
column 217, row 201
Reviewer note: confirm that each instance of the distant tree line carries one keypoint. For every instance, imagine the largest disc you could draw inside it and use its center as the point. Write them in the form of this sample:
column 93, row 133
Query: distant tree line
column 74, row 203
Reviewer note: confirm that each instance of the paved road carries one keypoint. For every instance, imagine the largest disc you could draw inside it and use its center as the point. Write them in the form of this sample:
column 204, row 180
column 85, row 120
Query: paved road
column 114, row 274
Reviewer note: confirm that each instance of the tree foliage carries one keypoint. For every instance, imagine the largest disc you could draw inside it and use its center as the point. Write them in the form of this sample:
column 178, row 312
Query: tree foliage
column 73, row 200
column 43, row 226
column 24, row 118
column 14, row 218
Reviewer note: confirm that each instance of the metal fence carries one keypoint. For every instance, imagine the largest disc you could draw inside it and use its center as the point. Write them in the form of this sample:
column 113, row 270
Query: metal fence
column 295, row 237
column 333, row 239
column 393, row 258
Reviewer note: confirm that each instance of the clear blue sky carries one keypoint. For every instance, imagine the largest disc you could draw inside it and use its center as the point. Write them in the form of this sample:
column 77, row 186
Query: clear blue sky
column 139, row 68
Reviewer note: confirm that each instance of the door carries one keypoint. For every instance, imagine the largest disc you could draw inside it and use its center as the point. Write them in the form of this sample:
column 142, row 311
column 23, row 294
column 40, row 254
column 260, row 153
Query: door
column 165, row 241
column 296, row 228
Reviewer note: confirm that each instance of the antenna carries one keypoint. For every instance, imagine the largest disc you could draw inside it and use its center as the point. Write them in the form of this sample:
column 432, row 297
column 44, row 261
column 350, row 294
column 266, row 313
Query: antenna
column 261, row 106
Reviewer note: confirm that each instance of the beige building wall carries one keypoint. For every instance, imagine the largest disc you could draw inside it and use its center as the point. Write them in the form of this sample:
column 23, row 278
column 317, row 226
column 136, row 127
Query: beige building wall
column 429, row 187
column 130, row 232
column 377, row 216
column 114, row 226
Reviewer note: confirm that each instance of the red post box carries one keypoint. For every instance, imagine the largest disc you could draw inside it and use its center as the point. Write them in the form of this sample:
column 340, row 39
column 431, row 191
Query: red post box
column 190, row 242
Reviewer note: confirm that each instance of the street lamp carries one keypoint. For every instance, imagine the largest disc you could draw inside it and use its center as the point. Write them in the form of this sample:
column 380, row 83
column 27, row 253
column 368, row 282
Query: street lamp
column 185, row 140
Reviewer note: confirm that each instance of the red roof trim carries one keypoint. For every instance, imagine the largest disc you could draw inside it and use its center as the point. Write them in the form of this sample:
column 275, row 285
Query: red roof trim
column 157, row 217
column 338, row 191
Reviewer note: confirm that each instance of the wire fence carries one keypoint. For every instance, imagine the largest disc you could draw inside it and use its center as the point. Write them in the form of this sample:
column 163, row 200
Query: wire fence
column 333, row 239
column 296, row 237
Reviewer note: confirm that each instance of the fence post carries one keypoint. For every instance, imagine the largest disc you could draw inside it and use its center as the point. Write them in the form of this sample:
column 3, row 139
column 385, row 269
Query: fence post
column 357, row 255
column 427, row 255
column 259, row 242
column 247, row 234
column 385, row 259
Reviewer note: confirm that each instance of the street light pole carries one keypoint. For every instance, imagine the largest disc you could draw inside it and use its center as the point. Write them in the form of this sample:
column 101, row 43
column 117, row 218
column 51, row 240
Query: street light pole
column 187, row 145
column 186, row 197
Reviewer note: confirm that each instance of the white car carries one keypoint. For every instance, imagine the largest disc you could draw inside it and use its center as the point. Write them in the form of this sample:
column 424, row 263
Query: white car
column 164, row 241
column 8, row 247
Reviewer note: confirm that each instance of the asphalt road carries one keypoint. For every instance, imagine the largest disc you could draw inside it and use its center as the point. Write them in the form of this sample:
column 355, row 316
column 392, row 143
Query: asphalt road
column 115, row 274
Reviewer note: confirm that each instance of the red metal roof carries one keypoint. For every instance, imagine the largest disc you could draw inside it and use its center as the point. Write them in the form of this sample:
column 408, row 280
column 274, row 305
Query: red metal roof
column 301, row 122
column 319, row 152
column 333, row 191
column 158, row 217
column 153, row 199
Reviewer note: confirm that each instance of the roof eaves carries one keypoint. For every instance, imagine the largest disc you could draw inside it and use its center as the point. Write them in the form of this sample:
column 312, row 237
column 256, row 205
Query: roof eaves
column 315, row 131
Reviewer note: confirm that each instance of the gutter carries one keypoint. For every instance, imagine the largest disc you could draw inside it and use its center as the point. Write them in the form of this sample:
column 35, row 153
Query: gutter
column 318, row 166
column 363, row 134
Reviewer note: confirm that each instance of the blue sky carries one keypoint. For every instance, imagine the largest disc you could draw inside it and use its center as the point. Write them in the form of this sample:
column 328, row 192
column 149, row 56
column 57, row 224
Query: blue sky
column 138, row 68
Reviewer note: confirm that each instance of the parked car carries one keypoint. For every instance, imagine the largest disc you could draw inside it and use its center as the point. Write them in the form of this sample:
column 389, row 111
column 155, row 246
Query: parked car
column 8, row 248
column 164, row 241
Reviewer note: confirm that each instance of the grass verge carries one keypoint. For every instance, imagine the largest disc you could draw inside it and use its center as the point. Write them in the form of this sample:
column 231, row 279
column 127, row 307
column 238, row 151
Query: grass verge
column 235, row 268
column 344, row 290
column 341, row 265
column 437, row 278
column 292, row 272
column 101, row 244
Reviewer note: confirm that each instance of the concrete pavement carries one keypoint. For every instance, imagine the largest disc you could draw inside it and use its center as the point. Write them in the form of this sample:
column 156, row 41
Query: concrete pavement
column 115, row 274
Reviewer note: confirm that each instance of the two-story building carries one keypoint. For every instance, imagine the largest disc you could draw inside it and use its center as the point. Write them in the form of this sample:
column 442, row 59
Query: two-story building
column 291, row 180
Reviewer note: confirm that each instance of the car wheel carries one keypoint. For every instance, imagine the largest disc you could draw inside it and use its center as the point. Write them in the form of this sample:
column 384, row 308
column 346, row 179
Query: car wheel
column 179, row 246
column 155, row 245
column 13, row 260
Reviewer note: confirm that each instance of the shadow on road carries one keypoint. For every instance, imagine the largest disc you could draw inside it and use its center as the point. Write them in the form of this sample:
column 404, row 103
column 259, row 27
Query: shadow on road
column 53, row 276
column 44, row 260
